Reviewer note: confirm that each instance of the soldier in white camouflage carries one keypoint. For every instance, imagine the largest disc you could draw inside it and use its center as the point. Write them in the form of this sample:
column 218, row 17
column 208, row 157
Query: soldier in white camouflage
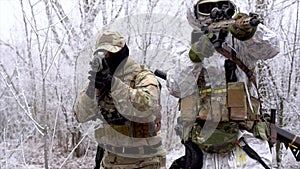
column 126, row 97
column 215, row 83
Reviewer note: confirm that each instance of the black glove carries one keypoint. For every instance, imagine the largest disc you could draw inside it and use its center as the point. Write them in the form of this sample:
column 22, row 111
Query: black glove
column 90, row 91
column 104, row 77
column 100, row 80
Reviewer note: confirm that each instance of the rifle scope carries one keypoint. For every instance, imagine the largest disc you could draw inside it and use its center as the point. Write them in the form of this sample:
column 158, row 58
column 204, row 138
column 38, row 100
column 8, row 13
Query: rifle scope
column 220, row 14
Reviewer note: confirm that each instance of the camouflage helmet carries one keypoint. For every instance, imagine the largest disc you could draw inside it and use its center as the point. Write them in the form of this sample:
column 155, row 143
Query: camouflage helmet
column 109, row 40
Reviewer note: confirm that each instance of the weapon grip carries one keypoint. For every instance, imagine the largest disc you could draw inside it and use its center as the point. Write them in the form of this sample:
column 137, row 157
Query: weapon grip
column 273, row 127
column 160, row 74
column 273, row 116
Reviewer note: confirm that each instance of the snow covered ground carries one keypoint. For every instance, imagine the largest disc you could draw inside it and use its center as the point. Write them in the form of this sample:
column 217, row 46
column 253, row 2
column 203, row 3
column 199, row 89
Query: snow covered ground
column 30, row 156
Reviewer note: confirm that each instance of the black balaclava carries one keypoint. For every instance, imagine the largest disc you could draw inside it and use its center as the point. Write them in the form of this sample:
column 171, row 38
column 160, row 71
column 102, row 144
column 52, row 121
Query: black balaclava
column 115, row 59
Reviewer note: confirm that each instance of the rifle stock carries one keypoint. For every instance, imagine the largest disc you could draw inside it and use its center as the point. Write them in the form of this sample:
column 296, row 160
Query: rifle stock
column 290, row 140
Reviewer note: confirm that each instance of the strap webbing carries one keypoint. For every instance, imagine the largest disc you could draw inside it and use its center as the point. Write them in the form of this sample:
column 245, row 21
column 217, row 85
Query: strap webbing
column 250, row 152
column 232, row 56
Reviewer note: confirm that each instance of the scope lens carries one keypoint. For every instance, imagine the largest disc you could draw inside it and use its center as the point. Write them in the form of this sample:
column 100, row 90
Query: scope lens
column 205, row 8
column 229, row 12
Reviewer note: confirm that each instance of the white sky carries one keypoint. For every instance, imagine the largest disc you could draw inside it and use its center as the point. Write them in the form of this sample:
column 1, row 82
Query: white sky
column 9, row 9
column 11, row 17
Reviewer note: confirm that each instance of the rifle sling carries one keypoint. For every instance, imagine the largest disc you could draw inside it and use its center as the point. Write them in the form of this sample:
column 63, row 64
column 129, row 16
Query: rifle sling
column 232, row 57
column 241, row 142
column 250, row 152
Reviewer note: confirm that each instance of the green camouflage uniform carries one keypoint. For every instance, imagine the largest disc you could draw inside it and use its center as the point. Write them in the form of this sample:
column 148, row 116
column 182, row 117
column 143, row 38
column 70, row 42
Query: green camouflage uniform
column 130, row 111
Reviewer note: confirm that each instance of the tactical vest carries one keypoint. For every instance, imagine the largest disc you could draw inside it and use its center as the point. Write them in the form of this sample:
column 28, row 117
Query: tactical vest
column 230, row 107
column 234, row 104
column 120, row 123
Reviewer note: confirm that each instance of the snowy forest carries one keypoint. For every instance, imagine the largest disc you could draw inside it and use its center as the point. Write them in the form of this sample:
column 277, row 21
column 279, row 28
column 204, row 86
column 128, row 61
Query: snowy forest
column 46, row 46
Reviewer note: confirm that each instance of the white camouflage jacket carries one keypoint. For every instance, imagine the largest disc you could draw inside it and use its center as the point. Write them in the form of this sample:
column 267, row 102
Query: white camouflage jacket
column 182, row 81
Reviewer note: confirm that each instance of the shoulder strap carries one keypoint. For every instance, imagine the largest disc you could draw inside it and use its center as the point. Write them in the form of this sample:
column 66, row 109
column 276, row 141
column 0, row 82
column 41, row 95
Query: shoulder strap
column 232, row 56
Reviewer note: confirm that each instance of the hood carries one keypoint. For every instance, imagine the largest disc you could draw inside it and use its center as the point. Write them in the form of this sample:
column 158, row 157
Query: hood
column 197, row 22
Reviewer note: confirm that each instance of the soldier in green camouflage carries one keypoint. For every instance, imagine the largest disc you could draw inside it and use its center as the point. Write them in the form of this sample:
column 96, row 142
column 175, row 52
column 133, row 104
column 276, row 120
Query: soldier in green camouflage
column 126, row 97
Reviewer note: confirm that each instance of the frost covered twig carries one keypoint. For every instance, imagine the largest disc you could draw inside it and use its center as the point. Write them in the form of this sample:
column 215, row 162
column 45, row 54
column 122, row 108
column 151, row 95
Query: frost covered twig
column 91, row 127
column 26, row 109
column 73, row 150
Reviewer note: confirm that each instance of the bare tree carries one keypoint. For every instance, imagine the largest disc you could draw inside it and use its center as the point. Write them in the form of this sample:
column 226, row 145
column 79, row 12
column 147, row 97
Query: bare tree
column 53, row 38
column 44, row 74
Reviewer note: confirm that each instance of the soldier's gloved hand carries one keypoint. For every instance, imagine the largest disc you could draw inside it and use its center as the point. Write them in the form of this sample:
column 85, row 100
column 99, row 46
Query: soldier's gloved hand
column 201, row 49
column 90, row 91
column 238, row 31
column 103, row 79
column 96, row 65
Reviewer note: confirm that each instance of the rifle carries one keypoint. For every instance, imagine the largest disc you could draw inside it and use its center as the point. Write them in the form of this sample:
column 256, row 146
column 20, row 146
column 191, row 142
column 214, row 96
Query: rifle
column 245, row 22
column 221, row 19
column 290, row 140
column 217, row 29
